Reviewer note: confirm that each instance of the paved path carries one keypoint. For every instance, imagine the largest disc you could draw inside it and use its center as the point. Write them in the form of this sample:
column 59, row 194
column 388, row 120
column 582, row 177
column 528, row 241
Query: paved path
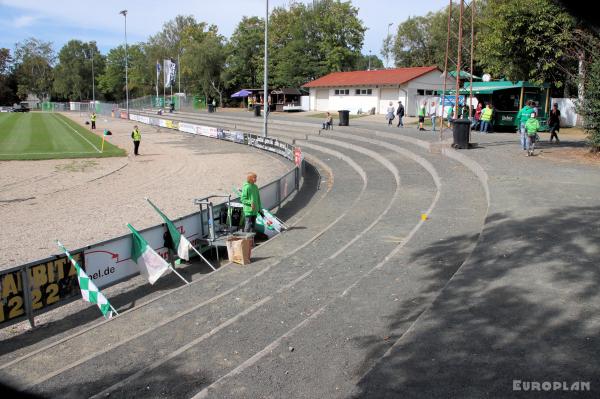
column 362, row 297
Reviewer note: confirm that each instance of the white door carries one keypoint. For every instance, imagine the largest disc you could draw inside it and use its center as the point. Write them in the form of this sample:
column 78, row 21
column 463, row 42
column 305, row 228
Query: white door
column 385, row 96
column 322, row 100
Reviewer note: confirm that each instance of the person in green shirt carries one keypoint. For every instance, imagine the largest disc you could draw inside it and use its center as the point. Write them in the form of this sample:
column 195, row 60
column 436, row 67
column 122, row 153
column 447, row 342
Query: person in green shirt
column 531, row 126
column 251, row 201
column 422, row 112
column 521, row 120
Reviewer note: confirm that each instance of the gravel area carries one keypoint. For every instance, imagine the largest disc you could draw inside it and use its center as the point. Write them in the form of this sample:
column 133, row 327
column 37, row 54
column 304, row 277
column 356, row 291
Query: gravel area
column 85, row 201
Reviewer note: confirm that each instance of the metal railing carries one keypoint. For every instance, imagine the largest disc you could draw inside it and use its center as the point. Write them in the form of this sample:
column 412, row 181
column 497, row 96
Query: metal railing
column 39, row 286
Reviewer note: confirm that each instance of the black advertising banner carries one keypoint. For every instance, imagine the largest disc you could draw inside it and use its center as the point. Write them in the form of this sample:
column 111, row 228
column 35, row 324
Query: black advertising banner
column 50, row 282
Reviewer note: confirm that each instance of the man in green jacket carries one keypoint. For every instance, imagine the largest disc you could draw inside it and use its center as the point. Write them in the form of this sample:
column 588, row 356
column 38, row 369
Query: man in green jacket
column 532, row 125
column 251, row 201
column 521, row 120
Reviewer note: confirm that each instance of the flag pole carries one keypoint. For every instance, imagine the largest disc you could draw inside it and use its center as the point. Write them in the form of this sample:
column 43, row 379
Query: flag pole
column 178, row 275
column 75, row 262
column 203, row 258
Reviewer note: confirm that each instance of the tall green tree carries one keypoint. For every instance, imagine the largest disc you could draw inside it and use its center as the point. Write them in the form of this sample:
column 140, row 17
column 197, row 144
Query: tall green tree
column 8, row 83
column 245, row 54
column 169, row 43
column 73, row 73
column 140, row 73
column 309, row 41
column 421, row 40
column 525, row 40
column 205, row 57
column 34, row 60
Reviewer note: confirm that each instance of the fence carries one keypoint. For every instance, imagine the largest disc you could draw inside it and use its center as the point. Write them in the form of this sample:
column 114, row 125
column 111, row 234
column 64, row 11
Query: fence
column 37, row 287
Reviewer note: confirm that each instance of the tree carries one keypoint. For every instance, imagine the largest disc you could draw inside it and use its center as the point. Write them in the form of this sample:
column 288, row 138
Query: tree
column 34, row 59
column 421, row 41
column 364, row 61
column 589, row 106
column 73, row 73
column 140, row 73
column 245, row 54
column 525, row 40
column 8, row 83
column 205, row 57
column 309, row 41
column 169, row 43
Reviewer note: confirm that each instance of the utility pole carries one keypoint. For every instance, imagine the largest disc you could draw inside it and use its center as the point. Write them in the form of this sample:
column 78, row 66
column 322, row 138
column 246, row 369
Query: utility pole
column 124, row 13
column 266, row 77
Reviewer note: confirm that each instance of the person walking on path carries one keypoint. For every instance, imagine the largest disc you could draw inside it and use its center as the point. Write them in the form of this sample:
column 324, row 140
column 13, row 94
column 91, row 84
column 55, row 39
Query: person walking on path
column 137, row 137
column 477, row 117
column 532, row 127
column 521, row 119
column 449, row 115
column 433, row 115
column 328, row 122
column 390, row 113
column 554, row 122
column 93, row 120
column 486, row 118
column 251, row 201
column 400, row 113
column 422, row 112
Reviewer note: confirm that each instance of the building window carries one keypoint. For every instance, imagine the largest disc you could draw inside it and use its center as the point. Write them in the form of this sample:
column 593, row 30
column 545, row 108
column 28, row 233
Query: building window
column 363, row 92
column 429, row 92
column 342, row 92
column 420, row 92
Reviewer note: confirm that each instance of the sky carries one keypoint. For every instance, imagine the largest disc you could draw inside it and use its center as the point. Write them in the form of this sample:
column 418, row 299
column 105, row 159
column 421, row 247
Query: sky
column 59, row 21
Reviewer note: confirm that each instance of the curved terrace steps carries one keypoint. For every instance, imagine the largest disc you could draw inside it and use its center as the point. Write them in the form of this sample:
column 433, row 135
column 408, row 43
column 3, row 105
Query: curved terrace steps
column 332, row 296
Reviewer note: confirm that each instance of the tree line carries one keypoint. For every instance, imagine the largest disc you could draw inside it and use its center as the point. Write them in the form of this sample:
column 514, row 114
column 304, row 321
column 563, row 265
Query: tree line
column 306, row 41
column 533, row 40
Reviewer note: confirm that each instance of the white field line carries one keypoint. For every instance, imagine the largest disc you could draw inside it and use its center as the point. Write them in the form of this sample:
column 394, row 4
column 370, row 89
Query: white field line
column 49, row 153
column 80, row 135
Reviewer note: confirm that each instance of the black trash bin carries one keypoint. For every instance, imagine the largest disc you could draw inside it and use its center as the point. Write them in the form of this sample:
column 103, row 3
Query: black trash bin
column 344, row 117
column 211, row 108
column 460, row 132
column 257, row 110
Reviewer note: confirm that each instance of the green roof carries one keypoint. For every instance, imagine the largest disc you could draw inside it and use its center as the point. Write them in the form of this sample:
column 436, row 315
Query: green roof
column 490, row 87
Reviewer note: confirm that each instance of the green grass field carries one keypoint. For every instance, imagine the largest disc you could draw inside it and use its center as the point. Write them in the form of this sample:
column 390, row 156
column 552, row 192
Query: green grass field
column 36, row 135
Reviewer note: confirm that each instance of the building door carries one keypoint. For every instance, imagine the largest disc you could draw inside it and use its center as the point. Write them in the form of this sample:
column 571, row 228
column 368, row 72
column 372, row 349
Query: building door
column 322, row 100
column 385, row 96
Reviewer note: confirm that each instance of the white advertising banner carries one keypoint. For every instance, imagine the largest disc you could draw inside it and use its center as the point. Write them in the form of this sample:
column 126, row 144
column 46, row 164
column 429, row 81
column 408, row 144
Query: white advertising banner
column 207, row 131
column 110, row 262
column 187, row 127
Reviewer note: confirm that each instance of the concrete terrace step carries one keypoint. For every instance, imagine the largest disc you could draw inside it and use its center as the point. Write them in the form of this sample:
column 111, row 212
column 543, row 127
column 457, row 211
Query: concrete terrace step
column 330, row 289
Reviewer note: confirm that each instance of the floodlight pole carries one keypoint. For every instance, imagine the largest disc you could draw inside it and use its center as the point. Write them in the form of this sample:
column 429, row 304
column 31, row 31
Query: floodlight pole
column 124, row 13
column 387, row 53
column 266, row 68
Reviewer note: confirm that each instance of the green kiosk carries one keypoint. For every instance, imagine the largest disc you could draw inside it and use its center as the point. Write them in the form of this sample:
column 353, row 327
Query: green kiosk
column 508, row 98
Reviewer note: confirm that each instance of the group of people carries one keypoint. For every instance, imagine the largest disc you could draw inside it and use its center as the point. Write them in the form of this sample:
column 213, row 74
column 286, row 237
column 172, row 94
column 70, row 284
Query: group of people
column 393, row 112
column 528, row 125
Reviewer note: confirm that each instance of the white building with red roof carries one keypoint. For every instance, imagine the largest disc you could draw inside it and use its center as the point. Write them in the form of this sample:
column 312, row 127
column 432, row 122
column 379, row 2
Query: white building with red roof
column 367, row 90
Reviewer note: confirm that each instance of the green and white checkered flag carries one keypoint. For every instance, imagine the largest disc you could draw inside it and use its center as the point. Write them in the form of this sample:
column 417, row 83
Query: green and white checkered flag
column 89, row 291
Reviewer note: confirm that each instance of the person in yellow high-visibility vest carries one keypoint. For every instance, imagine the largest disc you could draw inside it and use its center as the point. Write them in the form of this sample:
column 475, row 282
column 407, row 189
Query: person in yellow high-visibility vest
column 137, row 137
column 93, row 120
column 486, row 118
